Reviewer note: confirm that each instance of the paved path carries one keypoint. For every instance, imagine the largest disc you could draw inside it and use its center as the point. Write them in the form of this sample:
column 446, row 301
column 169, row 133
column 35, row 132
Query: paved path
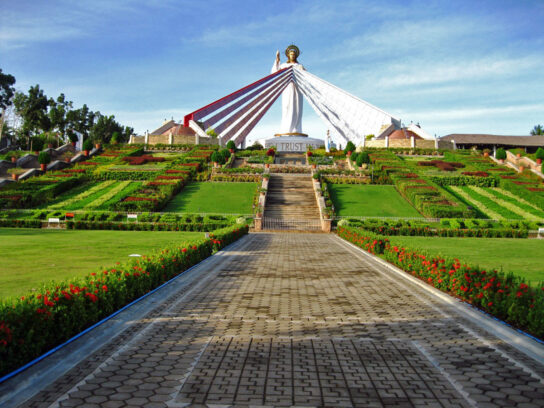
column 305, row 320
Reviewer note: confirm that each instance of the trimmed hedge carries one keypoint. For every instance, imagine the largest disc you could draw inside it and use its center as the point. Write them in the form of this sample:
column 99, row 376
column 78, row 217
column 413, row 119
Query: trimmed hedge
column 449, row 232
column 35, row 323
column 143, row 226
column 11, row 223
column 507, row 297
column 465, row 181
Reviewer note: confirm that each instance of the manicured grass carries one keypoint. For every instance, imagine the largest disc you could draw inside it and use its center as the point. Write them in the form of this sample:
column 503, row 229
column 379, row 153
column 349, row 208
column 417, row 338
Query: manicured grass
column 33, row 256
column 522, row 257
column 211, row 197
column 370, row 201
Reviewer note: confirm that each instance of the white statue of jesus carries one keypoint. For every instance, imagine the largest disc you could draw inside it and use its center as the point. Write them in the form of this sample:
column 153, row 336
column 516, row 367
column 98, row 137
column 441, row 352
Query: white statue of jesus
column 291, row 98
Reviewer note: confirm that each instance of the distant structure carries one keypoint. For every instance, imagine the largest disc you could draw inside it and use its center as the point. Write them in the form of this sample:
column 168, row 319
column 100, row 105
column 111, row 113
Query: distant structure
column 349, row 118
column 492, row 142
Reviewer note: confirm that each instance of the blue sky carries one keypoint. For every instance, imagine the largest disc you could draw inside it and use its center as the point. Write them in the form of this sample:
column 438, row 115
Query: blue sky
column 454, row 66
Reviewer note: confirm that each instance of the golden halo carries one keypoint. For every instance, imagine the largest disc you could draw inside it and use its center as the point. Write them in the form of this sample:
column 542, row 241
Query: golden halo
column 294, row 48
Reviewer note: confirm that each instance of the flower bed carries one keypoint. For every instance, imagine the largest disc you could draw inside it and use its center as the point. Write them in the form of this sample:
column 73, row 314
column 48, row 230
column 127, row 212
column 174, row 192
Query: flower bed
column 35, row 323
column 505, row 296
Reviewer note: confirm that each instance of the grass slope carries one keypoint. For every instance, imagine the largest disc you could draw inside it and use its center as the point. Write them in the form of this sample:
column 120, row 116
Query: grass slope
column 370, row 201
column 519, row 256
column 210, row 197
column 37, row 256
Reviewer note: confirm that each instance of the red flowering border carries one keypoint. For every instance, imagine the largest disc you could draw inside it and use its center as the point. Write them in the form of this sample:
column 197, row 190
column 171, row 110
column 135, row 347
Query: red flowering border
column 507, row 297
column 35, row 323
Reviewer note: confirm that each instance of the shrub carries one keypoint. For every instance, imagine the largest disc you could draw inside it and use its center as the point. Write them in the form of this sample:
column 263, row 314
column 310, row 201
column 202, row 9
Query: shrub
column 215, row 157
column 350, row 147
column 365, row 156
column 540, row 153
column 44, row 158
column 271, row 152
column 231, row 145
column 501, row 154
column 88, row 144
column 37, row 143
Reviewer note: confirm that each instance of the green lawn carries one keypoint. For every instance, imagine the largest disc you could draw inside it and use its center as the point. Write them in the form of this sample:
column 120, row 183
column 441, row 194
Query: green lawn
column 212, row 197
column 370, row 201
column 522, row 257
column 31, row 257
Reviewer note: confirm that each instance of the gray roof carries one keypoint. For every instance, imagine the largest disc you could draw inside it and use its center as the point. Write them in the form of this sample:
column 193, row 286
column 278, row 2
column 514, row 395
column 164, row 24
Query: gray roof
column 469, row 138
column 165, row 126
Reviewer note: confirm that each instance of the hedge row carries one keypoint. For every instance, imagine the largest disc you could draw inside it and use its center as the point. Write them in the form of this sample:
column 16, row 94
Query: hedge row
column 253, row 178
column 13, row 223
column 507, row 297
column 144, row 226
column 430, row 199
column 35, row 323
column 465, row 181
column 449, row 232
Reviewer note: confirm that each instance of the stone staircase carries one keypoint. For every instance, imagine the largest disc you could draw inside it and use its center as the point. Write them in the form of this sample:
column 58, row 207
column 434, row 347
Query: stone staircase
column 291, row 203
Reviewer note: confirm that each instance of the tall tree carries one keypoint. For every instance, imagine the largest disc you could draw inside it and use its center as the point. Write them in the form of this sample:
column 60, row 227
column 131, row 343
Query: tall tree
column 6, row 95
column 537, row 130
column 81, row 120
column 58, row 111
column 104, row 128
column 6, row 89
column 33, row 110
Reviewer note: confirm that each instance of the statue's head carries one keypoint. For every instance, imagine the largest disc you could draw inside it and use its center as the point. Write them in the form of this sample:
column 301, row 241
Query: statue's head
column 292, row 52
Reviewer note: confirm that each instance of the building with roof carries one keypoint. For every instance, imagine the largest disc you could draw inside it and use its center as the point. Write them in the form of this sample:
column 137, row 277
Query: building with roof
column 492, row 142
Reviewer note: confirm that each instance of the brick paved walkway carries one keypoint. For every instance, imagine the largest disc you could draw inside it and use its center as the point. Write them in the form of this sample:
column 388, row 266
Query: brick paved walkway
column 304, row 320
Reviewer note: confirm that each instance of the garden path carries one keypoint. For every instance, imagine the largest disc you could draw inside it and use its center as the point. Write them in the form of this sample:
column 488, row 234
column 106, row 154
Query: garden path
column 305, row 320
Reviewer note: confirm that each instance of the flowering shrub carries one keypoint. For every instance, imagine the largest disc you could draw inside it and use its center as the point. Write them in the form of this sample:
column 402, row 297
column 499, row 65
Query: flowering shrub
column 507, row 297
column 35, row 323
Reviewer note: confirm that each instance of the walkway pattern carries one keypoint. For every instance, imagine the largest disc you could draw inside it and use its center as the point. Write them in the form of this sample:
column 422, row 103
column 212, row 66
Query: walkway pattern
column 305, row 320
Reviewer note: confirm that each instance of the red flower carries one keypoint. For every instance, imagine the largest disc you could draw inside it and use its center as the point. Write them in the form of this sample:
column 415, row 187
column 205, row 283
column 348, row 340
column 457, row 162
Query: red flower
column 490, row 304
column 104, row 288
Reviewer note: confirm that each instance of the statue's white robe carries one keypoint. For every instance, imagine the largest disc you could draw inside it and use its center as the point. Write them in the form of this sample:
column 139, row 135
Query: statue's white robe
column 291, row 102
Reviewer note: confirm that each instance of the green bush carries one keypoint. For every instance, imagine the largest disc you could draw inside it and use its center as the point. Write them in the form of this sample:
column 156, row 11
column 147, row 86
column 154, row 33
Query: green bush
column 231, row 145
column 37, row 143
column 44, row 158
column 501, row 154
column 540, row 153
column 350, row 147
column 88, row 144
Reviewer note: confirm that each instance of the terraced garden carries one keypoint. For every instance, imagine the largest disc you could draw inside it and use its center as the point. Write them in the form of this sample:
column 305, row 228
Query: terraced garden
column 497, row 203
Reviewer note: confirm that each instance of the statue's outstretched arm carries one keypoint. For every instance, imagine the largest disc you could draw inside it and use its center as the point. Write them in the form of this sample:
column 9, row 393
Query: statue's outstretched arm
column 276, row 65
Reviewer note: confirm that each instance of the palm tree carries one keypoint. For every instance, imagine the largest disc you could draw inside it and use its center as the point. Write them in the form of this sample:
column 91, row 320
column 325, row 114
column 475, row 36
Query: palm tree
column 537, row 130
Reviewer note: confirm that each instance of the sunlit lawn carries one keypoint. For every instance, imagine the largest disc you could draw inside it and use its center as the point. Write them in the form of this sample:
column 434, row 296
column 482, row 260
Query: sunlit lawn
column 522, row 257
column 31, row 257
column 370, row 201
column 211, row 197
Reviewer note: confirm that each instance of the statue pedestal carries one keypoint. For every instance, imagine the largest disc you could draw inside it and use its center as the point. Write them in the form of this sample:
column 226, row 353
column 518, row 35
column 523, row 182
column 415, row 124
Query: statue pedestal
column 297, row 144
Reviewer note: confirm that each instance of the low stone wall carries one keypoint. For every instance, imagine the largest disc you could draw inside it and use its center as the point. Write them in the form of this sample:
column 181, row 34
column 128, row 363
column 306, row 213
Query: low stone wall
column 407, row 143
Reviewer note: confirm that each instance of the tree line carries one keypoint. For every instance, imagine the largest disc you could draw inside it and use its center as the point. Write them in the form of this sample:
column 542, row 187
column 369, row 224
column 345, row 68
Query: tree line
column 33, row 118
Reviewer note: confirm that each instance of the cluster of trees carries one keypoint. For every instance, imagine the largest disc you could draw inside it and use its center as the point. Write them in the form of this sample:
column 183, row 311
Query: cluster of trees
column 34, row 116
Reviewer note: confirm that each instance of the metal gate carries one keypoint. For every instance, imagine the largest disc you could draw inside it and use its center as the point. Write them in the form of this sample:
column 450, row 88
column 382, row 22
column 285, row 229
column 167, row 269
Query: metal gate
column 291, row 224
